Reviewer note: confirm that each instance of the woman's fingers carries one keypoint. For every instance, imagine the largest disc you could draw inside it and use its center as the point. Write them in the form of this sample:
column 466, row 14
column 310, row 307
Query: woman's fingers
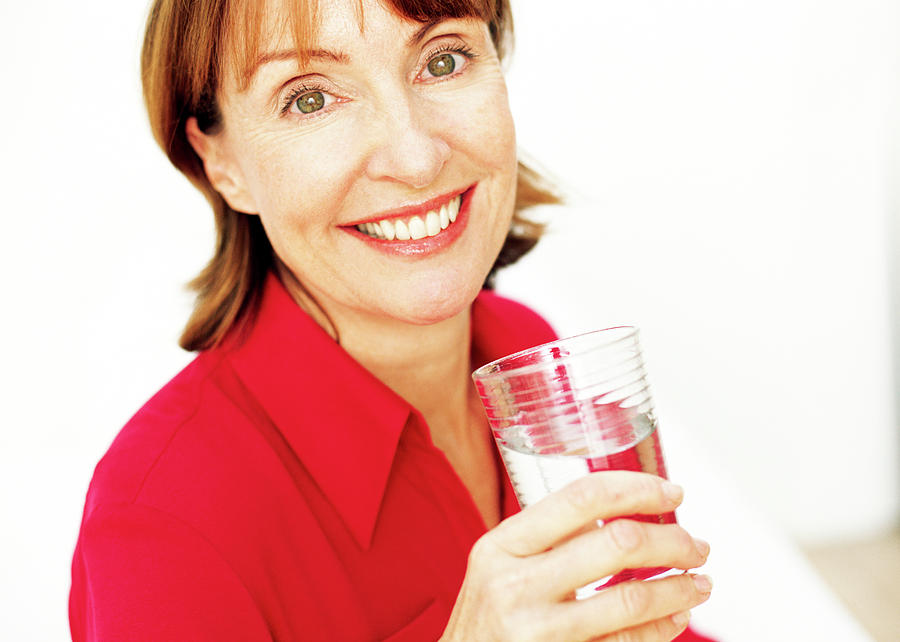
column 647, row 604
column 662, row 630
column 615, row 546
column 596, row 496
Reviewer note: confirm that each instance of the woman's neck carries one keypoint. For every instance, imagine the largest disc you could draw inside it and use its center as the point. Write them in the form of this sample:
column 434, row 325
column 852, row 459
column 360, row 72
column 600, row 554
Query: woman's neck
column 427, row 365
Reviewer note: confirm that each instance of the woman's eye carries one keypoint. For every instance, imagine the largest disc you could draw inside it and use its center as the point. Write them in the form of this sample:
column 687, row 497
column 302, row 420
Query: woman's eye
column 308, row 101
column 313, row 101
column 444, row 64
column 441, row 65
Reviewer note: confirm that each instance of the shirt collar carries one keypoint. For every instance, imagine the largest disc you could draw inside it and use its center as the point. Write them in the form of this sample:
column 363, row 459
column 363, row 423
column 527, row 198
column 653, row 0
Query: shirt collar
column 336, row 415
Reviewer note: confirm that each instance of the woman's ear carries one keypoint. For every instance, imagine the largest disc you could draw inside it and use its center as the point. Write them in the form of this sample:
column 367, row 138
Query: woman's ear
column 221, row 170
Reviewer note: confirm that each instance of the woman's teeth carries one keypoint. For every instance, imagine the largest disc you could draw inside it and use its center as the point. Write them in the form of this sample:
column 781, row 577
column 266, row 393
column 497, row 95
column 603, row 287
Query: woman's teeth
column 414, row 227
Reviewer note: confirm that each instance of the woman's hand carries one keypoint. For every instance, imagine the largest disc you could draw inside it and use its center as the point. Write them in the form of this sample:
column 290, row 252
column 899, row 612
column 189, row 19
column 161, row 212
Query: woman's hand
column 522, row 575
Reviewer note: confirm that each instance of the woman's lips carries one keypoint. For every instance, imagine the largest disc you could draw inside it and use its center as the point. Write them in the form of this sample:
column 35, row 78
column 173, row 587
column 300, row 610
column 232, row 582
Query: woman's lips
column 417, row 230
column 414, row 227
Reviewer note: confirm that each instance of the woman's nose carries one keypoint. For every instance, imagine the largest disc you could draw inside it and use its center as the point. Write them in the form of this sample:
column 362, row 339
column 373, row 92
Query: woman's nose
column 408, row 145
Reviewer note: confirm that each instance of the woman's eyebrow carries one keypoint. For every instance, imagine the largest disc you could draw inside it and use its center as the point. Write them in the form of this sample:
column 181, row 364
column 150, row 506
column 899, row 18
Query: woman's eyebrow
column 289, row 54
column 421, row 32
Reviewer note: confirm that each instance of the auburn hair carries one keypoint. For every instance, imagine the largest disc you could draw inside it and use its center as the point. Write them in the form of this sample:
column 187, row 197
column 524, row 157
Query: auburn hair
column 188, row 47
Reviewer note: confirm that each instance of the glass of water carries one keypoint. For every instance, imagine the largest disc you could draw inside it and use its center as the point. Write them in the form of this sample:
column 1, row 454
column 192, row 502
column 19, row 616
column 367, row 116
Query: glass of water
column 571, row 407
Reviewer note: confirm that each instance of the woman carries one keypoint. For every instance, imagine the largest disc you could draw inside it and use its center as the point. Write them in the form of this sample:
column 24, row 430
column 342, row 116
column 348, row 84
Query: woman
column 323, row 470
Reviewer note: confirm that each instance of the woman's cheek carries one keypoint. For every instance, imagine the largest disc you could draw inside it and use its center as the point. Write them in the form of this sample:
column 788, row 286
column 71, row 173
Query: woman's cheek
column 481, row 119
column 301, row 173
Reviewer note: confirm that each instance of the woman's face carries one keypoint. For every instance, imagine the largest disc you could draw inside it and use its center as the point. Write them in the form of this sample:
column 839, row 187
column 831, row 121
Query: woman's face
column 391, row 123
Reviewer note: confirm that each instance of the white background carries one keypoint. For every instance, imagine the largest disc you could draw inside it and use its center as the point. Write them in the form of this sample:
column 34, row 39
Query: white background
column 732, row 173
column 731, row 165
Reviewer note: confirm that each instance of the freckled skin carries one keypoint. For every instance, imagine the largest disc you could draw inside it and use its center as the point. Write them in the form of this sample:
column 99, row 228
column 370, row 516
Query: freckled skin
column 391, row 134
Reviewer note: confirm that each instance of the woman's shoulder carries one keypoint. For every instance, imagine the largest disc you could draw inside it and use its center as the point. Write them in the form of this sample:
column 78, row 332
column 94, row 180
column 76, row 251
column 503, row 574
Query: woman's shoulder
column 149, row 433
column 155, row 556
column 191, row 494
column 184, row 450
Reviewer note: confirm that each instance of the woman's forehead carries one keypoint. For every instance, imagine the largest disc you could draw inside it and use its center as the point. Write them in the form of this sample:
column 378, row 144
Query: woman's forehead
column 304, row 23
column 257, row 27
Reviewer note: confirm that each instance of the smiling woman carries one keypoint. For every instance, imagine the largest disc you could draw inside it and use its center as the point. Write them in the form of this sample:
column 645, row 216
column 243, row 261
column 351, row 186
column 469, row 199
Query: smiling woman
column 323, row 470
column 231, row 43
column 387, row 142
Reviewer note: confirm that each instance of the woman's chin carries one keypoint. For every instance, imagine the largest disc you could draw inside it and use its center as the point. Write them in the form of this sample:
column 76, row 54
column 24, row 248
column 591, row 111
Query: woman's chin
column 435, row 302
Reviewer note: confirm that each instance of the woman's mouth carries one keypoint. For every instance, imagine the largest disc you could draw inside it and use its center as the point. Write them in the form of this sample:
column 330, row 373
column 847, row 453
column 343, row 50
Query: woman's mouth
column 417, row 230
column 414, row 227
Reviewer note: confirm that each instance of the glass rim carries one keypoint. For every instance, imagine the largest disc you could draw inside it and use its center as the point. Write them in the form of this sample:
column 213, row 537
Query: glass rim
column 490, row 371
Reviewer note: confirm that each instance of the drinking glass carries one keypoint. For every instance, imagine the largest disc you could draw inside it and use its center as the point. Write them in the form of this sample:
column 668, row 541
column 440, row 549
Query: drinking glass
column 571, row 407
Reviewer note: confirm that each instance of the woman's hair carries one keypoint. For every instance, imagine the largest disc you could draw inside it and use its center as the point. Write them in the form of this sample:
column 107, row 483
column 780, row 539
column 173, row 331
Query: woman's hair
column 188, row 47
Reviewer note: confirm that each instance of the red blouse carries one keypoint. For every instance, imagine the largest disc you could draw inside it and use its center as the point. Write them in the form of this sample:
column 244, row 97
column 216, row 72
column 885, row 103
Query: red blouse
column 275, row 489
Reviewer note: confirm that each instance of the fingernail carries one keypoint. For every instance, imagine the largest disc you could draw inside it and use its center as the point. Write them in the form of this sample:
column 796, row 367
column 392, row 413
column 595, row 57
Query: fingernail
column 673, row 492
column 703, row 583
column 680, row 620
column 702, row 546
